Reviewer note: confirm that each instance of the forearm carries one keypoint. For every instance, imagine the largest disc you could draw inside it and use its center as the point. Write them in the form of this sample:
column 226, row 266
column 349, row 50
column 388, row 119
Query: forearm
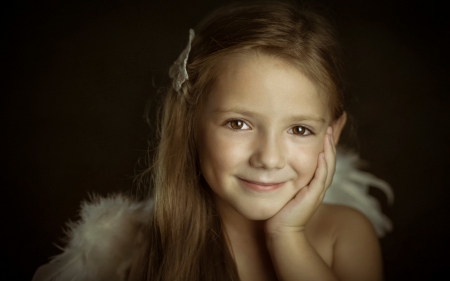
column 295, row 259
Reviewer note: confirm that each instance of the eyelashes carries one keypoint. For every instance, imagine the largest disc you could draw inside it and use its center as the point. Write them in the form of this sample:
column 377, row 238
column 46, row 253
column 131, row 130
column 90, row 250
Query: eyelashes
column 238, row 125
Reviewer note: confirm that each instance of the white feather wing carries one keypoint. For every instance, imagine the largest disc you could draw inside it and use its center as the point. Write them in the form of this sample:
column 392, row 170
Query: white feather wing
column 102, row 244
column 350, row 187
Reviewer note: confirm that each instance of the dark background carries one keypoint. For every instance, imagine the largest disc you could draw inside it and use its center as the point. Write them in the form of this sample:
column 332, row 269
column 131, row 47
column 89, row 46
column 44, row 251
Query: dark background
column 77, row 76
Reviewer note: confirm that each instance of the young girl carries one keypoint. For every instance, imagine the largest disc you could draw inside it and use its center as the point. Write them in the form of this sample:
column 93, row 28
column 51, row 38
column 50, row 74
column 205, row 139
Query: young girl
column 246, row 153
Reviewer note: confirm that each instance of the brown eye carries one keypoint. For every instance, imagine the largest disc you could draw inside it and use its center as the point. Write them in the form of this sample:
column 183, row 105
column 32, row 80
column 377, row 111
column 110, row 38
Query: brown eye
column 300, row 130
column 238, row 125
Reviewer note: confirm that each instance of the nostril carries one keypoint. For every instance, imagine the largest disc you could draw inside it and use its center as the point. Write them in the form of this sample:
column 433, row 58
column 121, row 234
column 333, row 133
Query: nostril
column 270, row 158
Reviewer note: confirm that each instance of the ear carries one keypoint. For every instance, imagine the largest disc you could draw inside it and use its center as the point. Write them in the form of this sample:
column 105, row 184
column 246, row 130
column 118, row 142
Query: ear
column 338, row 125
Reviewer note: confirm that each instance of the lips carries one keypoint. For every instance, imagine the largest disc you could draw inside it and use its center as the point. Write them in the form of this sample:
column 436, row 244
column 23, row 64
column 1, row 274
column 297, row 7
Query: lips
column 260, row 186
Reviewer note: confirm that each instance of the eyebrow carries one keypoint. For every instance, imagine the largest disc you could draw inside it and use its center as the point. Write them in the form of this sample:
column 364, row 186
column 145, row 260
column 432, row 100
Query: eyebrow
column 294, row 118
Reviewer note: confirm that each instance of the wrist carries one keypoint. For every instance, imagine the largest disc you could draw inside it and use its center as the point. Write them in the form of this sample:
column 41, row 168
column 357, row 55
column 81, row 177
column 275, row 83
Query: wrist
column 283, row 231
column 284, row 242
column 291, row 235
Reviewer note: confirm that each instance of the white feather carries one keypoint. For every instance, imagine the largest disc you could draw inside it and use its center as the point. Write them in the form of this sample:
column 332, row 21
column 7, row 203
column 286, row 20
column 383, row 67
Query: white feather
column 102, row 245
column 350, row 187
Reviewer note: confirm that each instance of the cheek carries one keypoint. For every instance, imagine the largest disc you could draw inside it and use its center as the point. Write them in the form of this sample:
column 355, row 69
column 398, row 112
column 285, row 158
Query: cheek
column 219, row 154
column 304, row 161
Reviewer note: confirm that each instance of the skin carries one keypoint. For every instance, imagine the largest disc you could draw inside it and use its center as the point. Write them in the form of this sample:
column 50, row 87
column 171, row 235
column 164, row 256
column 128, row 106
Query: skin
column 267, row 149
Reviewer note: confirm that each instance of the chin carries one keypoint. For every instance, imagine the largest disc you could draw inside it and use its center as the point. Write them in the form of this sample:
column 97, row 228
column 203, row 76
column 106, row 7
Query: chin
column 259, row 213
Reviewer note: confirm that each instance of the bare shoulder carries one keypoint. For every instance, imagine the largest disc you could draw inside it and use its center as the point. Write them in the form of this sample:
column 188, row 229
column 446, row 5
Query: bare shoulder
column 343, row 218
column 356, row 254
column 338, row 220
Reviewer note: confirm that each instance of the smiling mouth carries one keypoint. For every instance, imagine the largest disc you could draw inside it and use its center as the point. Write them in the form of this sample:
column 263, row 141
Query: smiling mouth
column 260, row 186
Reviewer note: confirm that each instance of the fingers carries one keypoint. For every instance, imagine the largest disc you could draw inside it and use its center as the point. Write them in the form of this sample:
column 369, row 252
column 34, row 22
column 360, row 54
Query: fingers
column 318, row 183
column 330, row 156
column 325, row 167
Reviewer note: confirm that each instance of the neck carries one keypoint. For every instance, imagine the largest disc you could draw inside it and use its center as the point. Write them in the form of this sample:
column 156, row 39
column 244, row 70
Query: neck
column 240, row 230
column 246, row 240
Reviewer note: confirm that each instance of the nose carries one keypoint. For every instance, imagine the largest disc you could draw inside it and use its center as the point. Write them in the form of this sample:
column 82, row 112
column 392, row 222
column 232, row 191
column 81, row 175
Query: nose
column 268, row 153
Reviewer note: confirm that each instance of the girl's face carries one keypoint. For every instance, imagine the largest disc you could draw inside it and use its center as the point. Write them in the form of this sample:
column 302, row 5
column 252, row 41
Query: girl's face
column 259, row 135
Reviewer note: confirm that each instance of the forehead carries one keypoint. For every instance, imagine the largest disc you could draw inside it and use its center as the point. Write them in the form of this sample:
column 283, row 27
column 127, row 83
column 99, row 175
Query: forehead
column 268, row 86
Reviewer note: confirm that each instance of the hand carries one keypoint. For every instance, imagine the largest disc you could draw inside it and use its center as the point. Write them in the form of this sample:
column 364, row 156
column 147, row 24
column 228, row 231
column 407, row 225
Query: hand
column 297, row 212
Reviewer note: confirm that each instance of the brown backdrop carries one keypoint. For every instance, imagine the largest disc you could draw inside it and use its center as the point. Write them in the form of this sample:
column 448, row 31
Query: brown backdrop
column 77, row 76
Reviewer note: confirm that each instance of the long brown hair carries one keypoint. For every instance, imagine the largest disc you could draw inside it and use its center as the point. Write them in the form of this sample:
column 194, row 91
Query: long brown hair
column 185, row 240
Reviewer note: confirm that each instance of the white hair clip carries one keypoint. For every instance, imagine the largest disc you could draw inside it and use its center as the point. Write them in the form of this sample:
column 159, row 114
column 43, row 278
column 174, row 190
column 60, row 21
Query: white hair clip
column 178, row 71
